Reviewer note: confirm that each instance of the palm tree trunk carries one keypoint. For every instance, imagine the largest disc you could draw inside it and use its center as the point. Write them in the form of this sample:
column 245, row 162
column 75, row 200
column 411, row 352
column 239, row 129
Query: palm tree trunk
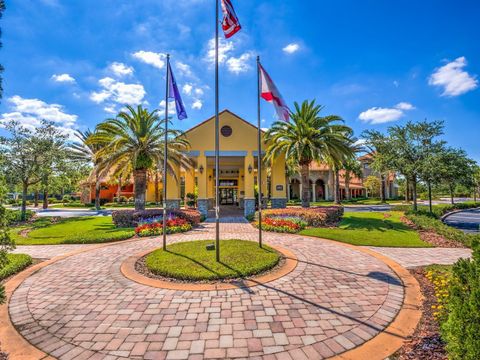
column 140, row 181
column 97, row 190
column 348, row 193
column 429, row 184
column 119, row 190
column 336, row 192
column 451, row 194
column 305, row 171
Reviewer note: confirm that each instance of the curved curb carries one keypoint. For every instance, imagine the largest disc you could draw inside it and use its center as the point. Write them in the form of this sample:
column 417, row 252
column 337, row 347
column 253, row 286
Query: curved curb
column 379, row 347
column 392, row 338
column 444, row 216
column 128, row 270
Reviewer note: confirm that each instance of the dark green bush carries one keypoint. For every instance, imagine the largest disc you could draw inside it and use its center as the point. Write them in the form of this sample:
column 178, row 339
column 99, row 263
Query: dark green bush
column 438, row 210
column 429, row 223
column 15, row 216
column 16, row 263
column 461, row 330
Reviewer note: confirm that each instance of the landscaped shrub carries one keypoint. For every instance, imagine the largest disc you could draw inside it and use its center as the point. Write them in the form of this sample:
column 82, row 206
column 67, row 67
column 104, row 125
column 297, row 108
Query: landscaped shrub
column 155, row 227
column 438, row 210
column 16, row 263
column 15, row 216
column 132, row 218
column 429, row 223
column 315, row 216
column 462, row 326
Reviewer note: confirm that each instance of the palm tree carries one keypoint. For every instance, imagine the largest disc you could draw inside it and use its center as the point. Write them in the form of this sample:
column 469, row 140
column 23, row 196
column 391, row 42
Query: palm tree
column 308, row 137
column 88, row 151
column 352, row 167
column 137, row 137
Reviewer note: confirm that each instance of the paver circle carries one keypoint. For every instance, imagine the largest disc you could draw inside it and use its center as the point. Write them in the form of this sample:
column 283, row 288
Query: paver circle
column 82, row 307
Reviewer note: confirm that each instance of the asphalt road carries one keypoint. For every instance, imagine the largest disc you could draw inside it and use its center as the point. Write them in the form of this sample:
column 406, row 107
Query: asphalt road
column 67, row 213
column 467, row 220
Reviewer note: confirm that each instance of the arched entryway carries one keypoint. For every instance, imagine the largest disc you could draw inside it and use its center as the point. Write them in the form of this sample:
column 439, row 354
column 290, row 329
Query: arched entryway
column 295, row 189
column 319, row 190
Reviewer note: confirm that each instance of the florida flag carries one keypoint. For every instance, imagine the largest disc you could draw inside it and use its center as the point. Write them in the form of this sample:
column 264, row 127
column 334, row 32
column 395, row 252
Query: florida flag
column 270, row 93
column 230, row 23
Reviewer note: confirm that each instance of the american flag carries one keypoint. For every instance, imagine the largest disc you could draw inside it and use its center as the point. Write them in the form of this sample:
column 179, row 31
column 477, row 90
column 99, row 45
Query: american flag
column 230, row 23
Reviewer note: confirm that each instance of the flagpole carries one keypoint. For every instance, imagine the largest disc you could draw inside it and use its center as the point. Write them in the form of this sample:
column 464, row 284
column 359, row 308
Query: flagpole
column 165, row 154
column 259, row 157
column 217, row 147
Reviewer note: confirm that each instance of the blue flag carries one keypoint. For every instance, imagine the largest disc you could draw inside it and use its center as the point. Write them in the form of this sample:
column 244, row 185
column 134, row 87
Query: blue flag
column 174, row 94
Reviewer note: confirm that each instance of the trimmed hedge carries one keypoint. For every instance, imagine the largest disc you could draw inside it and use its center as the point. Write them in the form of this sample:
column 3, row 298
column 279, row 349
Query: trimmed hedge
column 438, row 210
column 131, row 218
column 16, row 263
column 429, row 223
column 461, row 328
column 314, row 216
column 15, row 216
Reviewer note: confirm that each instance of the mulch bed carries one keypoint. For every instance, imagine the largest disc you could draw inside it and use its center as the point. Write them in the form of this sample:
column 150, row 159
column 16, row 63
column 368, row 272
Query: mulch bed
column 425, row 344
column 432, row 237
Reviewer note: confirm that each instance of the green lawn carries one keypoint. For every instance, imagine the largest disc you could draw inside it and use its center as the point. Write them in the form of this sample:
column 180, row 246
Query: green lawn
column 16, row 263
column 371, row 229
column 79, row 230
column 191, row 260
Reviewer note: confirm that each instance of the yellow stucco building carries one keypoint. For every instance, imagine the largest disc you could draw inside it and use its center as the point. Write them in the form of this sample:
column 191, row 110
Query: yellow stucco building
column 238, row 167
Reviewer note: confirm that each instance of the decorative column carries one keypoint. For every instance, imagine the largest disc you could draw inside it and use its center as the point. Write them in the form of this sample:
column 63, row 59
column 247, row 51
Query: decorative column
column 173, row 188
column 279, row 199
column 202, row 201
column 249, row 183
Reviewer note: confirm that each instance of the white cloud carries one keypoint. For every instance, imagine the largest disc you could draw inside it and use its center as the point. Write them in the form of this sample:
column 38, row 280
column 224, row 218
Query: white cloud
column 224, row 49
column 152, row 58
column 379, row 115
column 63, row 78
column 184, row 68
column 111, row 109
column 120, row 69
column 291, row 48
column 404, row 106
column 171, row 107
column 239, row 64
column 118, row 92
column 454, row 80
column 187, row 89
column 30, row 113
column 197, row 104
column 199, row 92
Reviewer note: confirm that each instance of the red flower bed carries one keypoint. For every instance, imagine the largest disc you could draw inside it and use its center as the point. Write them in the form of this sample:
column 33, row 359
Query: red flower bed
column 174, row 225
column 131, row 218
column 315, row 216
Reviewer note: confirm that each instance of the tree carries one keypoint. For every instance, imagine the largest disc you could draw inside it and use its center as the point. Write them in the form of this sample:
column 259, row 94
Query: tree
column 87, row 151
column 405, row 149
column 136, row 136
column 476, row 181
column 455, row 168
column 372, row 184
column 52, row 146
column 308, row 137
column 22, row 153
column 352, row 167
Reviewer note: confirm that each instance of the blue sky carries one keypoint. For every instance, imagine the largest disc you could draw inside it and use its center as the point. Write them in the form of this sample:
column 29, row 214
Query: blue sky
column 375, row 63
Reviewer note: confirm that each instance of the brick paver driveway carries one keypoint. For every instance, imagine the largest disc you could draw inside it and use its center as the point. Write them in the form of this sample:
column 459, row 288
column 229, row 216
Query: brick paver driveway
column 82, row 307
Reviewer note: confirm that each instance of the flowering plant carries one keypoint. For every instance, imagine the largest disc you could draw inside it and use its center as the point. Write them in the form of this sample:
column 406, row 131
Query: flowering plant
column 152, row 227
column 284, row 224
